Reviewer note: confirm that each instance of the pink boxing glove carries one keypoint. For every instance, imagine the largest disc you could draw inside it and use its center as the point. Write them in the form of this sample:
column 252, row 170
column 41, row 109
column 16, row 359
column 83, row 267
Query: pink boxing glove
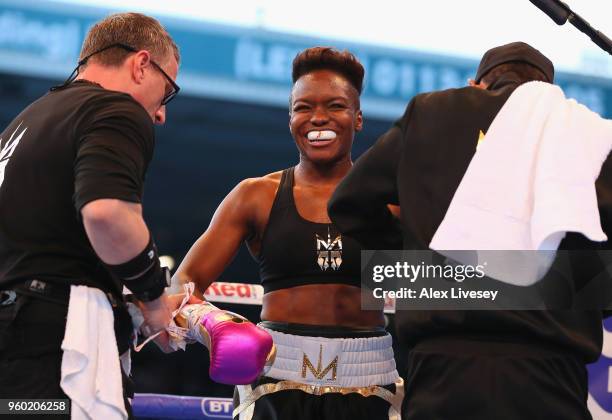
column 238, row 348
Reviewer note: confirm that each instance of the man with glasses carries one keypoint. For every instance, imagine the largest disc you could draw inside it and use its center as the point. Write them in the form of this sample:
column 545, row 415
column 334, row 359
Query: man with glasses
column 72, row 167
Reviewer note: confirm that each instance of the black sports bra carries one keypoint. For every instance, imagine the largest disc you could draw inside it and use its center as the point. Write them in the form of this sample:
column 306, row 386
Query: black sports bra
column 296, row 252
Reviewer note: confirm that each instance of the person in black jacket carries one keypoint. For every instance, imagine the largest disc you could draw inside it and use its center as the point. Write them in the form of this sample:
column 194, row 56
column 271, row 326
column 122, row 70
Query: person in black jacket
column 468, row 364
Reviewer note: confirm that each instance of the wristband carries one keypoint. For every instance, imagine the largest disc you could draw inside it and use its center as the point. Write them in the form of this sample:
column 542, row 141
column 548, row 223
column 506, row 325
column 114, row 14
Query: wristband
column 143, row 275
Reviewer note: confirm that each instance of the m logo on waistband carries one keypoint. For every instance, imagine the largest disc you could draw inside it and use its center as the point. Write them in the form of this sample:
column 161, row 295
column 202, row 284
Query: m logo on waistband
column 319, row 372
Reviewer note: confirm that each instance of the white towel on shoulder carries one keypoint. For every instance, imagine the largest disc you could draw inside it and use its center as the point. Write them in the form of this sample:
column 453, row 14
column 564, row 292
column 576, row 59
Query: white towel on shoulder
column 91, row 375
column 531, row 180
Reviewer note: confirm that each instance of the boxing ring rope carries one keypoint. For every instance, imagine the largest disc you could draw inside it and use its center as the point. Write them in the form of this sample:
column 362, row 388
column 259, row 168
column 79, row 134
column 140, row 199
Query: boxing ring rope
column 162, row 406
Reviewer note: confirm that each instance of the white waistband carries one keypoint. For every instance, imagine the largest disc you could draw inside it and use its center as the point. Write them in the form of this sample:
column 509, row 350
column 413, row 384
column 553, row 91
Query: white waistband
column 341, row 362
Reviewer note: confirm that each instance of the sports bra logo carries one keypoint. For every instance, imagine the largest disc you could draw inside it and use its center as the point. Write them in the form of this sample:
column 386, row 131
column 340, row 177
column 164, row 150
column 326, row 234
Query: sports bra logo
column 329, row 253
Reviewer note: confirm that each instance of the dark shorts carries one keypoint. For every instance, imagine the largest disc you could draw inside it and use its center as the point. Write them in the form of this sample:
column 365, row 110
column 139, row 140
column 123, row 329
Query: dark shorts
column 31, row 334
column 450, row 379
column 298, row 405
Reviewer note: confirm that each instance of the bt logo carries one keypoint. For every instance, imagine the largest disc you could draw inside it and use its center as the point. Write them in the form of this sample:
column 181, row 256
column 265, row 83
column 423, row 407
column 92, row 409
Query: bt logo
column 217, row 407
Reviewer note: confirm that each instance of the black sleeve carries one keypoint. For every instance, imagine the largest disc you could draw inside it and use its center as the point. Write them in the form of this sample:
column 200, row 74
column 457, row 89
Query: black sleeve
column 113, row 151
column 590, row 261
column 604, row 199
column 358, row 207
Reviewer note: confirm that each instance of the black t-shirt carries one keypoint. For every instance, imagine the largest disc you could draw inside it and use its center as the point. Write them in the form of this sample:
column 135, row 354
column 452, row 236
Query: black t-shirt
column 72, row 146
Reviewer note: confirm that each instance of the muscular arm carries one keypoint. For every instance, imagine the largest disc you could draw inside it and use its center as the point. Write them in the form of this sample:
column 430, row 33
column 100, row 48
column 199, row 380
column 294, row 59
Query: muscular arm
column 118, row 233
column 113, row 149
column 115, row 228
column 232, row 223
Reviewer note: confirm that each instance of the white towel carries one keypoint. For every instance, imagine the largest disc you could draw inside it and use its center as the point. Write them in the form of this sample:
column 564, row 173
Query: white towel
column 531, row 180
column 91, row 375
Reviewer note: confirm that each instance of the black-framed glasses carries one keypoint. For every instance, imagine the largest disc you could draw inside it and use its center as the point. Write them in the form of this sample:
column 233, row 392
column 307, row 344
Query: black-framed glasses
column 167, row 97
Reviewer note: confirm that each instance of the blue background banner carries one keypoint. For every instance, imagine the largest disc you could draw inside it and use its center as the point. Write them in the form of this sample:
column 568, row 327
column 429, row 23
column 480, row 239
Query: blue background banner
column 250, row 65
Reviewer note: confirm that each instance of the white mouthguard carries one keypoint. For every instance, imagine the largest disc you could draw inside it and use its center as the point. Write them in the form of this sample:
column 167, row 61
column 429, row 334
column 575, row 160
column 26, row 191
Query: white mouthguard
column 321, row 135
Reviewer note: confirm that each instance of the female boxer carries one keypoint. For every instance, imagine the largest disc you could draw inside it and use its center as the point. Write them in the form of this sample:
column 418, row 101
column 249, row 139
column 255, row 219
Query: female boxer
column 334, row 360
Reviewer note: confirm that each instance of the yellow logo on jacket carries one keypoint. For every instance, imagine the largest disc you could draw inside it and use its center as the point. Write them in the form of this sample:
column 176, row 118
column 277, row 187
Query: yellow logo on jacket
column 481, row 137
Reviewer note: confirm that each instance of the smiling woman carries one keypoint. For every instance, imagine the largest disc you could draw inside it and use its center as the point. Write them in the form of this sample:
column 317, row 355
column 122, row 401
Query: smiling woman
column 325, row 111
column 310, row 272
